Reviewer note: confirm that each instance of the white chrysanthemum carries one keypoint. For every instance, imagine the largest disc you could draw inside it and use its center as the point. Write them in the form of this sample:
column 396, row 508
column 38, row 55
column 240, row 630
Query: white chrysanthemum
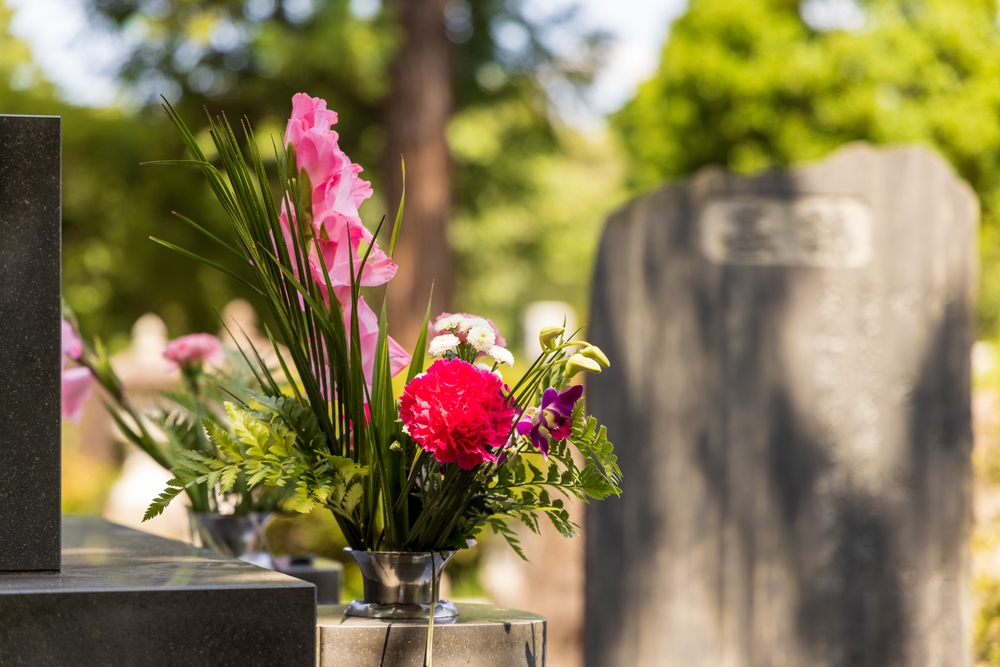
column 482, row 338
column 502, row 355
column 448, row 323
column 469, row 323
column 442, row 345
column 489, row 369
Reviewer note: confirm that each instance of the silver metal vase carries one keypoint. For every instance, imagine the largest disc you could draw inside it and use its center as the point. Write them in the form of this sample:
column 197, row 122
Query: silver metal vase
column 238, row 536
column 400, row 585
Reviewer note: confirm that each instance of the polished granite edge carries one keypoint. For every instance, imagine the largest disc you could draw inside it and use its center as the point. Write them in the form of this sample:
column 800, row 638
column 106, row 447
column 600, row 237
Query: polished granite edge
column 128, row 599
column 101, row 556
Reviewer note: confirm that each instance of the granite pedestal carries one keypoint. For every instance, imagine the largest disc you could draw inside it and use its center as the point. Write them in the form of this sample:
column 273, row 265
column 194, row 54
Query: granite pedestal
column 327, row 575
column 481, row 636
column 128, row 599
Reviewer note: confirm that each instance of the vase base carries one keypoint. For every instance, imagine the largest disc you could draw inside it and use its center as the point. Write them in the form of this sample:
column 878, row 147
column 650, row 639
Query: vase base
column 442, row 610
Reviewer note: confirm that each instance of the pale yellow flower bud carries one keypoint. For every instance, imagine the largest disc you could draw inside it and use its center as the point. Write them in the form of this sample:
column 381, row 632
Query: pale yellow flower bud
column 595, row 353
column 548, row 335
column 578, row 363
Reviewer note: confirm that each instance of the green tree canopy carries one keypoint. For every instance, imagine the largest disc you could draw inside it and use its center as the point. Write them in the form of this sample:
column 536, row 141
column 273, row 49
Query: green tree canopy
column 750, row 85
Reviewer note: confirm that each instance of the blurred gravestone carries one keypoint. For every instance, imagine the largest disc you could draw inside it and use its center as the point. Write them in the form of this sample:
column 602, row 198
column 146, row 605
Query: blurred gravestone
column 30, row 237
column 790, row 397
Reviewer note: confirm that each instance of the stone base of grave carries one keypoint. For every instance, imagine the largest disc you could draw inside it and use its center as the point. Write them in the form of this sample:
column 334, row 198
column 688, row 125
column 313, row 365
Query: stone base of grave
column 481, row 636
column 327, row 575
column 124, row 598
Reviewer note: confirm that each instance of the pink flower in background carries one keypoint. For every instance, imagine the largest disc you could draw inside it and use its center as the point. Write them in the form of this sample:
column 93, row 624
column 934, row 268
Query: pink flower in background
column 76, row 385
column 307, row 113
column 71, row 345
column 194, row 349
column 77, row 381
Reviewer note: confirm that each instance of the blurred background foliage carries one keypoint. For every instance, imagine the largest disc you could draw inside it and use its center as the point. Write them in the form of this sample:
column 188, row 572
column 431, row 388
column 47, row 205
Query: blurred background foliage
column 751, row 85
column 247, row 58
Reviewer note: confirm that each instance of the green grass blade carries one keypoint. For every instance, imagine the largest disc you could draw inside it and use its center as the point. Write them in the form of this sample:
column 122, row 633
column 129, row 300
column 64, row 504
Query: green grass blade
column 399, row 210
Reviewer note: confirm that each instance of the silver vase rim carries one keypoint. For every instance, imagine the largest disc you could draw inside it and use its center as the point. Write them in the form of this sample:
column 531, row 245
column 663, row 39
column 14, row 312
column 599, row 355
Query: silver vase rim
column 401, row 553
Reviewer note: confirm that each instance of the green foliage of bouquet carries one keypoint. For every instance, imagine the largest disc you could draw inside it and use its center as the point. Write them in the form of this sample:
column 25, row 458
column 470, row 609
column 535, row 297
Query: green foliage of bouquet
column 426, row 471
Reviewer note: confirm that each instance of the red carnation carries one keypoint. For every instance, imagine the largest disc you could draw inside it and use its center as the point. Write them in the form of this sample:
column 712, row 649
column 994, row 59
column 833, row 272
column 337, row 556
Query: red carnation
column 456, row 412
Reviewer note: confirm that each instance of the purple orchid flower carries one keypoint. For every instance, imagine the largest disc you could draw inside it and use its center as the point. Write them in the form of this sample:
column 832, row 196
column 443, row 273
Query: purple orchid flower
column 553, row 419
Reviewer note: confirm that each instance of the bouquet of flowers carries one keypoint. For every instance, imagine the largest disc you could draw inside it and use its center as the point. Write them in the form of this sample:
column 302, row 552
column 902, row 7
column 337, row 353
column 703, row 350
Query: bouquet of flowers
column 458, row 451
column 210, row 374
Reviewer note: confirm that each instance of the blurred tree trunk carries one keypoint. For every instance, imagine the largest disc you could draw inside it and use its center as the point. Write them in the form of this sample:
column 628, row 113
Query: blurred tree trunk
column 416, row 115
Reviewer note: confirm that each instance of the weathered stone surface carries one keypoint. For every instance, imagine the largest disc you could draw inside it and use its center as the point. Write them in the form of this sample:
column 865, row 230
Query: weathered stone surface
column 126, row 598
column 481, row 636
column 30, row 270
column 790, row 397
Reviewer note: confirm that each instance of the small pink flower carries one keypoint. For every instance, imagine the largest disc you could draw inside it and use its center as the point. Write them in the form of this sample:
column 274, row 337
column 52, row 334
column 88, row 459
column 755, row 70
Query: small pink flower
column 194, row 349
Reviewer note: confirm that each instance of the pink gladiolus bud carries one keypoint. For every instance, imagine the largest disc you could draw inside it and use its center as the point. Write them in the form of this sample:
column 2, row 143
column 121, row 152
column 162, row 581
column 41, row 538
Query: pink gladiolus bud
column 194, row 349
column 307, row 113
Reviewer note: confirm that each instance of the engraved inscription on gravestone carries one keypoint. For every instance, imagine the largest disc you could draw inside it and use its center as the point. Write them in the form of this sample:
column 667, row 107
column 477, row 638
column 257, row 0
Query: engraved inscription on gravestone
column 819, row 230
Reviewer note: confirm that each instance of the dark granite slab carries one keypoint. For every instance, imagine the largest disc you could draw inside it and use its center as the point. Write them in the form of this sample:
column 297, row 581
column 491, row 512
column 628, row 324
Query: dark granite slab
column 128, row 599
column 481, row 636
column 30, row 239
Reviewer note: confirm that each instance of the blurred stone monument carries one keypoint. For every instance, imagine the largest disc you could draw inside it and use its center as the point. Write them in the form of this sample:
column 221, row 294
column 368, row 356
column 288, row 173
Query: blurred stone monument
column 790, row 400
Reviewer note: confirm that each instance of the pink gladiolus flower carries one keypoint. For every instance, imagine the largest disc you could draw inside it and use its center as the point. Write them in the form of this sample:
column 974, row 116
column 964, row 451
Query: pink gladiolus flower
column 337, row 193
column 342, row 250
column 76, row 385
column 194, row 349
column 344, row 192
column 319, row 155
column 307, row 113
